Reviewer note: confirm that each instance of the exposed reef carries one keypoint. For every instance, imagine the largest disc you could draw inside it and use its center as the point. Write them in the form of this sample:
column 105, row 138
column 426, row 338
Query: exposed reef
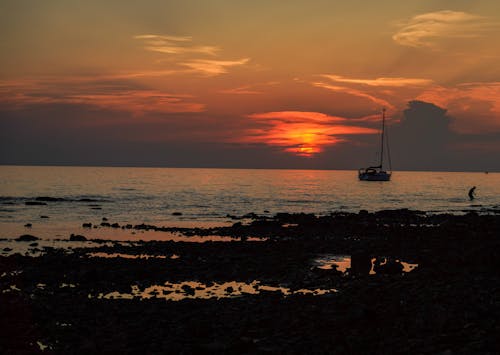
column 268, row 296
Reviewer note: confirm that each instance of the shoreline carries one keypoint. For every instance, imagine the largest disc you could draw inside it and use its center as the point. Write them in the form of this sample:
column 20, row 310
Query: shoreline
column 448, row 302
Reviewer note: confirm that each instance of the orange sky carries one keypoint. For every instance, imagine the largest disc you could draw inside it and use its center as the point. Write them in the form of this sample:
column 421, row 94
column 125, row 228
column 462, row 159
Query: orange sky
column 301, row 77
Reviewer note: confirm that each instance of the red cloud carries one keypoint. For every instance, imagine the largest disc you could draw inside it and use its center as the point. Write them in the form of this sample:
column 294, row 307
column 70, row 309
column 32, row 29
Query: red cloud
column 301, row 133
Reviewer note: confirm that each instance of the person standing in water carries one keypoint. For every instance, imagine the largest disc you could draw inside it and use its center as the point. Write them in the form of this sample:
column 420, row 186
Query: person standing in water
column 471, row 192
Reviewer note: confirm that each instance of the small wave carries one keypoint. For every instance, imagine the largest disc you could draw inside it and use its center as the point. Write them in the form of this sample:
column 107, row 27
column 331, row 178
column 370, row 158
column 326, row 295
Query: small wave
column 7, row 210
column 301, row 201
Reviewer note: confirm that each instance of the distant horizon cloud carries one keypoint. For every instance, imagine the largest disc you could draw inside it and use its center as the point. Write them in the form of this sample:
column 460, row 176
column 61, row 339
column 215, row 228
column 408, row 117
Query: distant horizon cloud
column 472, row 103
column 122, row 98
column 425, row 30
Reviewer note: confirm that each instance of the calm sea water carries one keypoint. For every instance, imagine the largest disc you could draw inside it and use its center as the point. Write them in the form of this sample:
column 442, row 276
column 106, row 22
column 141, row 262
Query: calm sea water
column 207, row 196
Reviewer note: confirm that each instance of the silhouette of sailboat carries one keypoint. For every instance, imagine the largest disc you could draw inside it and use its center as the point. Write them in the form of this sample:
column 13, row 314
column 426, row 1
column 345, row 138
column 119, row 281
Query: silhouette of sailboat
column 376, row 173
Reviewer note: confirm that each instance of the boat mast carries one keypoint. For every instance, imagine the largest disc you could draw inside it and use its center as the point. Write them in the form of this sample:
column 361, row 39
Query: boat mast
column 382, row 140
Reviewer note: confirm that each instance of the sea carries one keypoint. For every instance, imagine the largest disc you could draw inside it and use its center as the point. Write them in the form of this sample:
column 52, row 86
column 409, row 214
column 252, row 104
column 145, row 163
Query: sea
column 53, row 202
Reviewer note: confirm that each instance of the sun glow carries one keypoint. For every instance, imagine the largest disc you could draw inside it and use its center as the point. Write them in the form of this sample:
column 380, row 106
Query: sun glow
column 304, row 134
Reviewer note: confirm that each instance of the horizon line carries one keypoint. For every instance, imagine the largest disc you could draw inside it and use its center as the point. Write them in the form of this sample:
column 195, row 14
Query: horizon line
column 223, row 168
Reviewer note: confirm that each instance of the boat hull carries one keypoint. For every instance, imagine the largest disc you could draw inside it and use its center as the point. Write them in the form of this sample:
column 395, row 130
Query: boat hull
column 379, row 176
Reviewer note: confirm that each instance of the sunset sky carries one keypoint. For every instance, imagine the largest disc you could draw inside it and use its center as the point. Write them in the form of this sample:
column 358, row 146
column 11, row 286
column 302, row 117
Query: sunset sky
column 266, row 84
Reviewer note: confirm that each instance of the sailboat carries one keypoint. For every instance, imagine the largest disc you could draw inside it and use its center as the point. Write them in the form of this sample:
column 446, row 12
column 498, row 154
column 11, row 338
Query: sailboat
column 376, row 173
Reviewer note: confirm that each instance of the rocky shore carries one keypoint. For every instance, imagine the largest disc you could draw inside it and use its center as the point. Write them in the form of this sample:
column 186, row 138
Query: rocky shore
column 267, row 296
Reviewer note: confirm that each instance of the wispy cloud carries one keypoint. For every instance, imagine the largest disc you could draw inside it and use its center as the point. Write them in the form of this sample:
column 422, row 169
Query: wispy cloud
column 386, row 82
column 165, row 38
column 426, row 29
column 213, row 67
column 297, row 117
column 354, row 92
column 113, row 97
column 174, row 45
column 252, row 89
column 183, row 51
column 300, row 132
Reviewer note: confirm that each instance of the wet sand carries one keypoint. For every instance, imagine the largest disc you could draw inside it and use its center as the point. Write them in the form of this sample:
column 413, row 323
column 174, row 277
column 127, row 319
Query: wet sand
column 271, row 296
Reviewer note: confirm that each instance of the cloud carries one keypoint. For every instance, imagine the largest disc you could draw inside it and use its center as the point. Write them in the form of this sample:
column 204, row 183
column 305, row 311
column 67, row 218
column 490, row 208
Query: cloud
column 387, row 82
column 248, row 89
column 476, row 106
column 102, row 95
column 213, row 67
column 354, row 92
column 182, row 50
column 301, row 133
column 165, row 37
column 174, row 45
column 297, row 117
column 426, row 30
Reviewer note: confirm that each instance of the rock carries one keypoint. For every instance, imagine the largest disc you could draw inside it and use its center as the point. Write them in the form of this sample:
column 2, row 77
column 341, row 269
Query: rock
column 115, row 225
column 177, row 214
column 49, row 199
column 28, row 225
column 27, row 238
column 77, row 238
column 35, row 203
column 188, row 290
column 33, row 244
column 44, row 217
column 87, row 225
column 390, row 267
column 7, row 249
column 361, row 263
column 104, row 219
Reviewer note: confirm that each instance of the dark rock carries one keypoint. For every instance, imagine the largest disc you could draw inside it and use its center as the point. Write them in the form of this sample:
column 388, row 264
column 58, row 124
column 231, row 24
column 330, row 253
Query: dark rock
column 390, row 267
column 361, row 263
column 105, row 224
column 176, row 213
column 33, row 244
column 27, row 238
column 44, row 217
column 87, row 225
column 188, row 290
column 115, row 225
column 35, row 203
column 104, row 219
column 28, row 225
column 77, row 238
column 49, row 199
column 7, row 249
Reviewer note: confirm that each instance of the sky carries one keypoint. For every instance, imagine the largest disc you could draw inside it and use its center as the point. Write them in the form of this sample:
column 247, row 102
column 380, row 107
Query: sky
column 250, row 84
